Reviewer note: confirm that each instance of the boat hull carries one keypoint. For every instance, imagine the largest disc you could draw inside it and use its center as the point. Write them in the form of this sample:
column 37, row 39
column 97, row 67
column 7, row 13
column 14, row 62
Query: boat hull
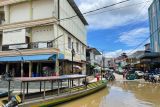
column 50, row 102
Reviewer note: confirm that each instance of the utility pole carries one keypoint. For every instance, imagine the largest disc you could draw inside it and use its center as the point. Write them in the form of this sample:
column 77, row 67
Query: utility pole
column 73, row 54
column 102, row 64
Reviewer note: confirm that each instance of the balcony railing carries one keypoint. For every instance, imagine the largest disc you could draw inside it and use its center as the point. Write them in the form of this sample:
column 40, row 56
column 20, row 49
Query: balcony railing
column 32, row 45
column 41, row 45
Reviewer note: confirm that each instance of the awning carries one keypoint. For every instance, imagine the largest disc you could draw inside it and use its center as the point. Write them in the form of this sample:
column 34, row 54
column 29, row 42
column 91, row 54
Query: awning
column 150, row 55
column 31, row 58
column 97, row 68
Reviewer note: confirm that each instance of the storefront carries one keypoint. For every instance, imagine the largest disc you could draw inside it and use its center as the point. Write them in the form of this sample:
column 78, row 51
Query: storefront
column 31, row 65
column 66, row 67
column 150, row 60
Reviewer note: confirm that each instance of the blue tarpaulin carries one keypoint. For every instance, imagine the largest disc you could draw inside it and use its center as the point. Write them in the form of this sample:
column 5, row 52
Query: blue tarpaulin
column 31, row 57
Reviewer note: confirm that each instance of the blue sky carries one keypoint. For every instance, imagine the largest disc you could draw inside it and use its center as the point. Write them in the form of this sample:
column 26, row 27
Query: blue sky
column 117, row 29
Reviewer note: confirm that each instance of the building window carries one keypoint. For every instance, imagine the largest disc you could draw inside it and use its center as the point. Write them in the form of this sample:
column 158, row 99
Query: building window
column 69, row 43
column 27, row 39
column 77, row 47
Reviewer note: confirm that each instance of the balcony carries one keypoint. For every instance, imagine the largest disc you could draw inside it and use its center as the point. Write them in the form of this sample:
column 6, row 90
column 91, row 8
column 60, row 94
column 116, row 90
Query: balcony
column 32, row 45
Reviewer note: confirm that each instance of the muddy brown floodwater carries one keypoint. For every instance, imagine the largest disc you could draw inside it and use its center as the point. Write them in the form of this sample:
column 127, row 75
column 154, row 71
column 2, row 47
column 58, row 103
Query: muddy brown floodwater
column 121, row 94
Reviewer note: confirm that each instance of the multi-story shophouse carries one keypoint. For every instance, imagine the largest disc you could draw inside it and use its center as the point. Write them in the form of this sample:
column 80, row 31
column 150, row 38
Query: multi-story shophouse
column 151, row 55
column 92, row 61
column 36, row 37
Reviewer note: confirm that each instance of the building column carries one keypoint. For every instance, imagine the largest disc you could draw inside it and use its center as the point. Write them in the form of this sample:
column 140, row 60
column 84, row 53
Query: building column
column 84, row 69
column 21, row 69
column 57, row 67
column 30, row 69
column 7, row 14
column 37, row 68
column 7, row 67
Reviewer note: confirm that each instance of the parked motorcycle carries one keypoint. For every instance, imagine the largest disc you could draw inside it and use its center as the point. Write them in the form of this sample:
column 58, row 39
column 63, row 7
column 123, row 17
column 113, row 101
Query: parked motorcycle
column 110, row 76
column 152, row 77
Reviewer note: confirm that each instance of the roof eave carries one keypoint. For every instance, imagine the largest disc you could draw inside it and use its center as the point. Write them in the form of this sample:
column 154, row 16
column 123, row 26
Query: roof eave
column 74, row 6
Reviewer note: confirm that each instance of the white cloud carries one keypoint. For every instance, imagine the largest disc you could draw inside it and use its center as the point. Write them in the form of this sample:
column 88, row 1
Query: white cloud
column 116, row 18
column 134, row 37
column 116, row 53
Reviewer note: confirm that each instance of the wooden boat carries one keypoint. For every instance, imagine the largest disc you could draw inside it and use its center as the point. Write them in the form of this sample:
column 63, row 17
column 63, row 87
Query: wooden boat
column 61, row 94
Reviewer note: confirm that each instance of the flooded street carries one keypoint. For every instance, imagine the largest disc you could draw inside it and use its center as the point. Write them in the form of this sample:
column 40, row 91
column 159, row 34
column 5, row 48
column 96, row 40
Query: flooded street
column 121, row 94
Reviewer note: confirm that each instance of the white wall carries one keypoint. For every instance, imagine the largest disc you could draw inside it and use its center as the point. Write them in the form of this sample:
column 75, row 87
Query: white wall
column 20, row 12
column 44, row 33
column 14, row 36
column 74, row 25
column 79, row 55
column 43, row 9
column 36, row 9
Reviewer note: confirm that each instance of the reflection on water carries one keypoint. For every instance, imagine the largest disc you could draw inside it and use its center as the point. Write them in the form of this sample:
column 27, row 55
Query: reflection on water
column 93, row 100
column 121, row 94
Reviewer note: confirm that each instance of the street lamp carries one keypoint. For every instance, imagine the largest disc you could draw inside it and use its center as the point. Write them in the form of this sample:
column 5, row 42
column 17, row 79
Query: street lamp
column 73, row 54
column 22, row 60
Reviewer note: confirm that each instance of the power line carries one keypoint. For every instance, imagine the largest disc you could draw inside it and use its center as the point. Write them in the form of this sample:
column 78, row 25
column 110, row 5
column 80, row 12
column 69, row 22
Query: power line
column 139, row 45
column 132, row 19
column 96, row 10
column 85, row 13
column 133, row 26
column 118, row 8
column 145, row 39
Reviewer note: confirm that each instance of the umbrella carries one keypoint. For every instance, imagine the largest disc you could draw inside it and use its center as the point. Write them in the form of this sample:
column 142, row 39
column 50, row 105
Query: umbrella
column 77, row 67
column 97, row 68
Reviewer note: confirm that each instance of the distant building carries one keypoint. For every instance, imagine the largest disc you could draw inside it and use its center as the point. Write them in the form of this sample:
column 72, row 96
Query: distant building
column 154, row 19
column 92, row 61
column 151, row 57
column 147, row 47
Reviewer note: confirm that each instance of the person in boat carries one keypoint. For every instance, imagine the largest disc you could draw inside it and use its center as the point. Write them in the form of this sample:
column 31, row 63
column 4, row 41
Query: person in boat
column 97, row 76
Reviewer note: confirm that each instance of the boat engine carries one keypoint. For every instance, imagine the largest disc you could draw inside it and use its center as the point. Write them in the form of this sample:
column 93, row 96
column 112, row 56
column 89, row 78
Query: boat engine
column 15, row 100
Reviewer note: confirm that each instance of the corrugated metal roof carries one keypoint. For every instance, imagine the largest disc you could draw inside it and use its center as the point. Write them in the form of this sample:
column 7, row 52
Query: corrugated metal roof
column 31, row 58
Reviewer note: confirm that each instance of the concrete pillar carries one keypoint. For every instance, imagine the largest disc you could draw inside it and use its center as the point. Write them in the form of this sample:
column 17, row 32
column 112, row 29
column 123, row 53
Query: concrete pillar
column 84, row 69
column 7, row 14
column 57, row 66
column 56, row 34
column 37, row 68
column 7, row 67
column 30, row 69
column 21, row 69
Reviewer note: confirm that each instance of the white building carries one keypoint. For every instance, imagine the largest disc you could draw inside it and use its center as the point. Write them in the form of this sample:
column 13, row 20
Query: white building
column 43, row 32
column 92, row 61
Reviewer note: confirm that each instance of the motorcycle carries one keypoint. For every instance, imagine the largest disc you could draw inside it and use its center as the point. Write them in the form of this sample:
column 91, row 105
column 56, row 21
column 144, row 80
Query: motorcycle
column 110, row 76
